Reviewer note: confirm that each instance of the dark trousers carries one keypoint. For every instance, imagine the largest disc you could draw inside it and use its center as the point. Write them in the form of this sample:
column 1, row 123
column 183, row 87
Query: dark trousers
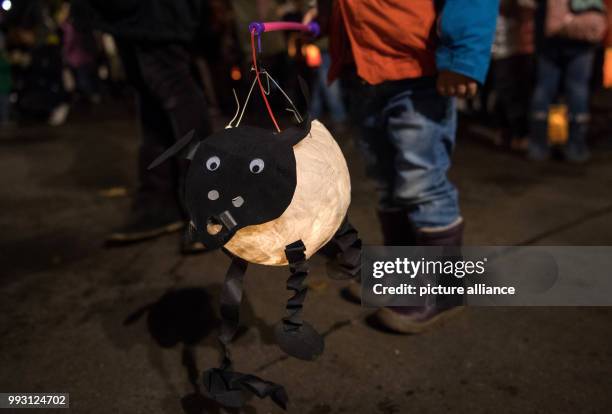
column 512, row 81
column 86, row 79
column 170, row 103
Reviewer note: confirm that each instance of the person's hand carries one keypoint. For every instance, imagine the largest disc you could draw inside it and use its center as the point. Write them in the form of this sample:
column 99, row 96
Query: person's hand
column 454, row 84
column 310, row 15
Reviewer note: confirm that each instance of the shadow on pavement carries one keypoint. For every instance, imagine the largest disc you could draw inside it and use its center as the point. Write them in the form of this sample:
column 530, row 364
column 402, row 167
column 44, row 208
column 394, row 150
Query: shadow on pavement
column 188, row 317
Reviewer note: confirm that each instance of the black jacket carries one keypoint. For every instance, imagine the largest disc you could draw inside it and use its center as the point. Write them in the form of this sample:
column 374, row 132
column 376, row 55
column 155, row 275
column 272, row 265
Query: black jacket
column 143, row 20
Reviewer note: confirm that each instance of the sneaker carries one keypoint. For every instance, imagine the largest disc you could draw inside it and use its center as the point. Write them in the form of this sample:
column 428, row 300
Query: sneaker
column 144, row 225
column 59, row 114
column 415, row 319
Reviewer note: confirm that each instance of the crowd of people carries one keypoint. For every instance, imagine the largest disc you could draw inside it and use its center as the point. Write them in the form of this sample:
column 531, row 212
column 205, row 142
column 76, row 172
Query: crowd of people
column 397, row 78
column 539, row 62
column 544, row 54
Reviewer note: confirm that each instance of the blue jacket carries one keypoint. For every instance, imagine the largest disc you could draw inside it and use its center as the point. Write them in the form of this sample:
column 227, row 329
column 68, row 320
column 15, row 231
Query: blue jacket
column 466, row 29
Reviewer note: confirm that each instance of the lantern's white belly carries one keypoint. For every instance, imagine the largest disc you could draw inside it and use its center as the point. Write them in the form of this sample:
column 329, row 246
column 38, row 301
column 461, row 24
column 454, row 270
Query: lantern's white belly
column 320, row 202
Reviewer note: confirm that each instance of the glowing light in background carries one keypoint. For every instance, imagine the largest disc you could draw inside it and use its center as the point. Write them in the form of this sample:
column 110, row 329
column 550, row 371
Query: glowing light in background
column 6, row 5
column 313, row 56
column 235, row 73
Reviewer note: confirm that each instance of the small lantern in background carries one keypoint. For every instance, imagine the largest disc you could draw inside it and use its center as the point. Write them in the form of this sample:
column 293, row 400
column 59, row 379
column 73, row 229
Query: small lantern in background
column 558, row 124
column 312, row 53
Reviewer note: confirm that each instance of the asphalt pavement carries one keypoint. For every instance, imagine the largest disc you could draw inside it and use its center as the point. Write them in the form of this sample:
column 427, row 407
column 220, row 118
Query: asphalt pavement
column 129, row 330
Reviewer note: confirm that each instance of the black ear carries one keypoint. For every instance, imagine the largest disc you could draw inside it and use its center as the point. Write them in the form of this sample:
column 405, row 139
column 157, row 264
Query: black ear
column 176, row 148
column 295, row 134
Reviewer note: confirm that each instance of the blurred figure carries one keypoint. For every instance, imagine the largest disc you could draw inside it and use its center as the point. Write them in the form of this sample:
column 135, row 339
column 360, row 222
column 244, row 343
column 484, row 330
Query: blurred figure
column 512, row 69
column 5, row 83
column 34, row 35
column 220, row 66
column 324, row 95
column 273, row 46
column 567, row 34
column 607, row 81
column 327, row 95
column 79, row 49
column 155, row 43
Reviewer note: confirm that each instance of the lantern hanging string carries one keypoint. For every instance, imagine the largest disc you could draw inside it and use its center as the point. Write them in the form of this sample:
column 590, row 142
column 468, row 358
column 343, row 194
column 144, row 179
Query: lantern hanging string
column 261, row 88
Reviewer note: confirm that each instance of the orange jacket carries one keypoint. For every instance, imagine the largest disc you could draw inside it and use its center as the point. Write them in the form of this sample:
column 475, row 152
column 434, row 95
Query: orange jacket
column 400, row 39
column 382, row 47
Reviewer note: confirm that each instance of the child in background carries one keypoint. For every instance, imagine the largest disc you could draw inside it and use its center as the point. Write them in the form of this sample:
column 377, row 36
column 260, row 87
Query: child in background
column 408, row 60
column 79, row 50
column 567, row 34
column 512, row 70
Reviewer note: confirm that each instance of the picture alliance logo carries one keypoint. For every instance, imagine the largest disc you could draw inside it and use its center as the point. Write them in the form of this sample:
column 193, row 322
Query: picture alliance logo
column 425, row 267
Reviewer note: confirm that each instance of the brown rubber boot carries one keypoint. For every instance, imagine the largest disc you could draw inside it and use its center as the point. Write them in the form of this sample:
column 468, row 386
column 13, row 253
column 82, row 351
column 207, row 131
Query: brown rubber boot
column 396, row 227
column 416, row 319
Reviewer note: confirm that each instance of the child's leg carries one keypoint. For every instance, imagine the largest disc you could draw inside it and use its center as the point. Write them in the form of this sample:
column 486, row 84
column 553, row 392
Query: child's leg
column 518, row 87
column 504, row 85
column 548, row 76
column 577, row 81
column 421, row 126
column 378, row 153
column 366, row 109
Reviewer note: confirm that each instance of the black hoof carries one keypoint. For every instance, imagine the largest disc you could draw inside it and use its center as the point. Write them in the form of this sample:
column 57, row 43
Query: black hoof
column 216, row 383
column 300, row 342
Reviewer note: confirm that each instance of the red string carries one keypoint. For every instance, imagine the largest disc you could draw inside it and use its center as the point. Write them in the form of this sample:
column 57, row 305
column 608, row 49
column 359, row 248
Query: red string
column 261, row 88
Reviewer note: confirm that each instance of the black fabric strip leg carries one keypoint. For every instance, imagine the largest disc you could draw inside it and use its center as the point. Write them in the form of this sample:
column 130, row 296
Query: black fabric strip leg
column 347, row 246
column 223, row 384
column 294, row 336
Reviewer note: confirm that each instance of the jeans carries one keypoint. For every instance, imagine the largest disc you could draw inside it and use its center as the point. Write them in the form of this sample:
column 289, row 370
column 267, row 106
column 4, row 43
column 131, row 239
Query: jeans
column 573, row 66
column 407, row 137
column 331, row 94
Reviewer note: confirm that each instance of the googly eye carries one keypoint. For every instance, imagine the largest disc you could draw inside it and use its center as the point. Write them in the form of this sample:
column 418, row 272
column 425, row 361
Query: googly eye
column 256, row 166
column 213, row 163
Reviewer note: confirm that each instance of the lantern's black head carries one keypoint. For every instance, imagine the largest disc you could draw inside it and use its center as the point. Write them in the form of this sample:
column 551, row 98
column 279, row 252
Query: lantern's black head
column 238, row 177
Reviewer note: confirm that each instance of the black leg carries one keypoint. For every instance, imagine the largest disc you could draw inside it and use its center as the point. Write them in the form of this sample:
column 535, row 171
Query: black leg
column 294, row 336
column 345, row 249
column 223, row 384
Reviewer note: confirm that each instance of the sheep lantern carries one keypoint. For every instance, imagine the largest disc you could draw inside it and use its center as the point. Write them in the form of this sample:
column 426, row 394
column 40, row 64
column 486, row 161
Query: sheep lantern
column 272, row 198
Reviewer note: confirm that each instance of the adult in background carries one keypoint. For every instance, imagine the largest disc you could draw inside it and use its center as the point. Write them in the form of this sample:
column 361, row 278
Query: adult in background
column 155, row 40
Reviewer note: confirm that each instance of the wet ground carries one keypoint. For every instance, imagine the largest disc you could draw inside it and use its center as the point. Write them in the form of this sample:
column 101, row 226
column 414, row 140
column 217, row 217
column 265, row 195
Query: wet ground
column 126, row 329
